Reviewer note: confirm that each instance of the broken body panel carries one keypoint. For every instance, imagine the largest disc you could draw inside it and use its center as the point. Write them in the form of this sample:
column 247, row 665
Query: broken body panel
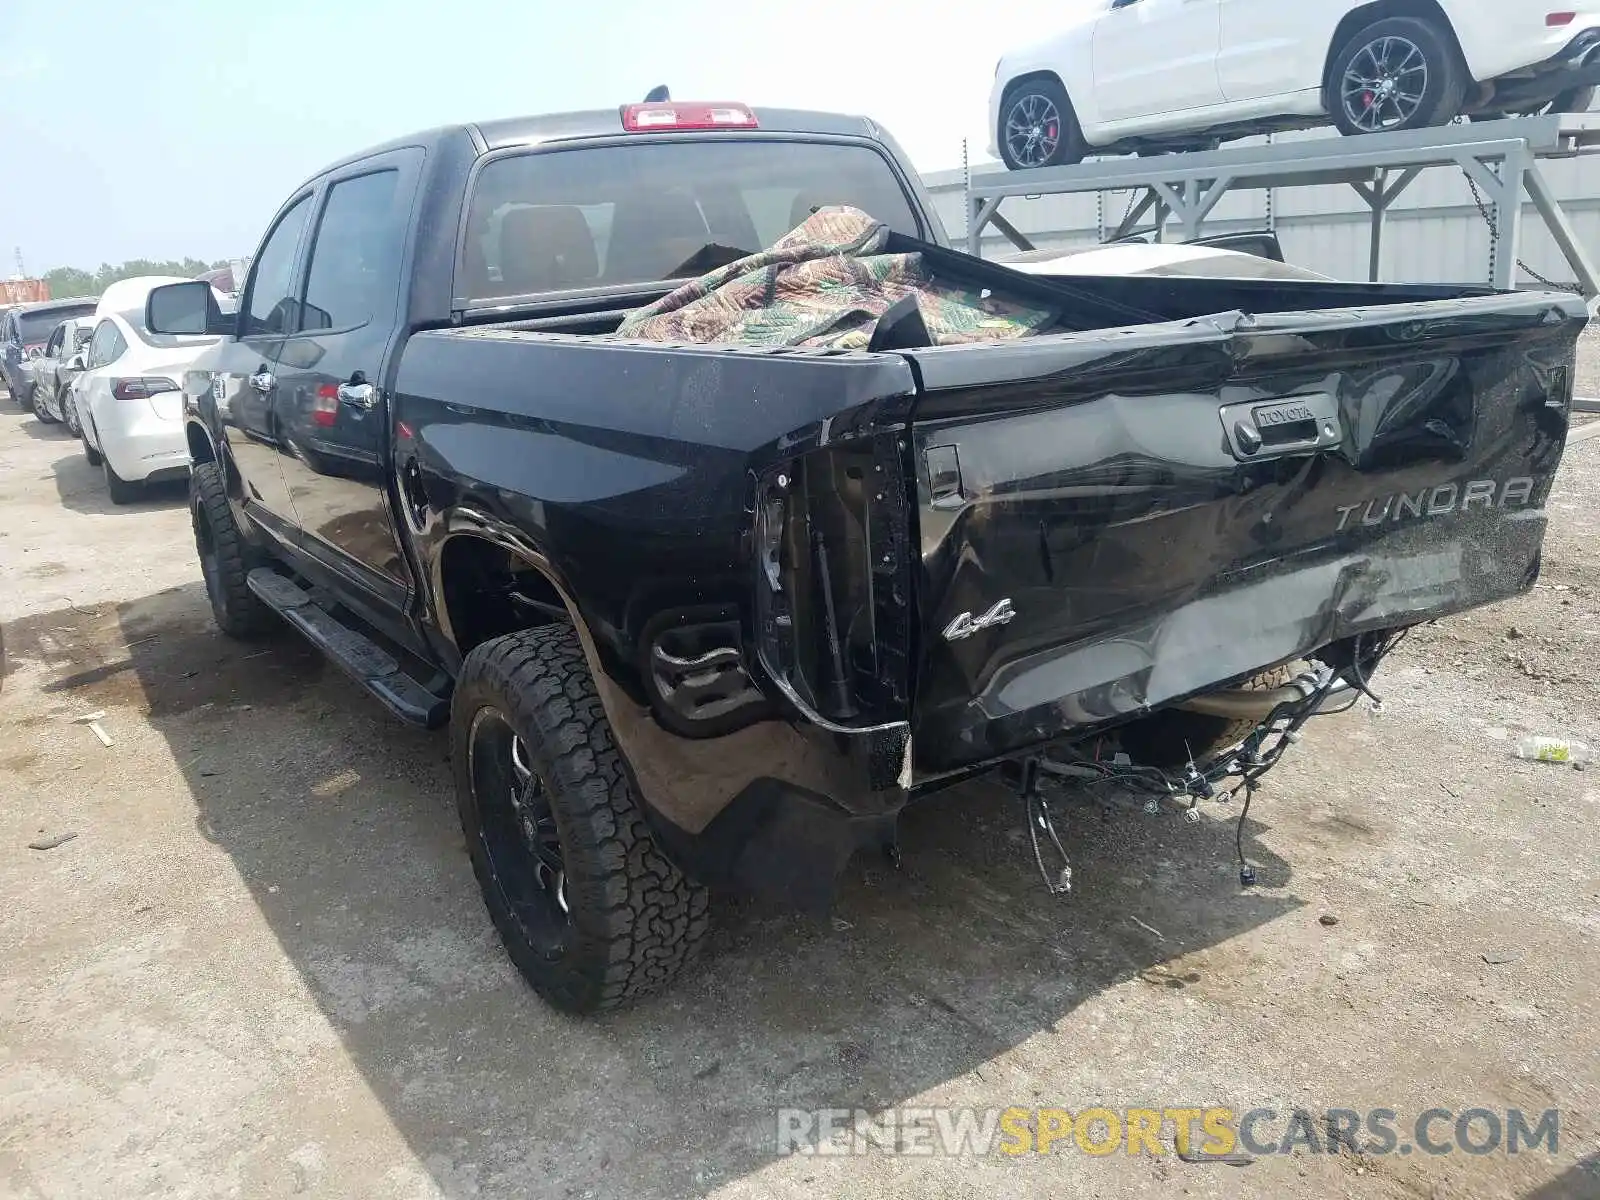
column 812, row 583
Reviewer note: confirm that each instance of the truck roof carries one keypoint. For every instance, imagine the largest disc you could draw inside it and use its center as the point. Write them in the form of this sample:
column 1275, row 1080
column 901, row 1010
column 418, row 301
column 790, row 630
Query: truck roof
column 604, row 122
column 607, row 122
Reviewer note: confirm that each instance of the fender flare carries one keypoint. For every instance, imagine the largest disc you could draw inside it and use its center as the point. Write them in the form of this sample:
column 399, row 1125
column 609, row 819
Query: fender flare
column 192, row 424
column 463, row 522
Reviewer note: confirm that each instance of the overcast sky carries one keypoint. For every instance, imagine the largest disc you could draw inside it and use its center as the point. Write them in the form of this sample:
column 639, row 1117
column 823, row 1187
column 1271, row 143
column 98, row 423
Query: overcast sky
column 172, row 128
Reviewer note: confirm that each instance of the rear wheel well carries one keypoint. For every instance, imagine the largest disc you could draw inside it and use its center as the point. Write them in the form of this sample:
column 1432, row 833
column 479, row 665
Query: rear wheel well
column 200, row 450
column 487, row 592
column 1358, row 19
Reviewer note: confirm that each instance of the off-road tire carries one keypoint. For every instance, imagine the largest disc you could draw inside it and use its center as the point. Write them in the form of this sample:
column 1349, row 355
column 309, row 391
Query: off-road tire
column 120, row 490
column 636, row 920
column 1446, row 89
column 1168, row 738
column 238, row 611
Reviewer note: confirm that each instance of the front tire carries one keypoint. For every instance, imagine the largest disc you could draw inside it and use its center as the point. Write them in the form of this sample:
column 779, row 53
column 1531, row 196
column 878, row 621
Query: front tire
column 69, row 416
column 225, row 558
column 1400, row 73
column 89, row 452
column 590, row 910
column 1038, row 127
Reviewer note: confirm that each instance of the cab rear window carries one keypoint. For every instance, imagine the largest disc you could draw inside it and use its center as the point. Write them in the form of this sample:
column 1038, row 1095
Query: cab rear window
column 607, row 216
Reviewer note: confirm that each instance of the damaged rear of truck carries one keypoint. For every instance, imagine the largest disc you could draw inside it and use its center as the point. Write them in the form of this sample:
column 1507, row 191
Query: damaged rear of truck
column 707, row 603
column 812, row 584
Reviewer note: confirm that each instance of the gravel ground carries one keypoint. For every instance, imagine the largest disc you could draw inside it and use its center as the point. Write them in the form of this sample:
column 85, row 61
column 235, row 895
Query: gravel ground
column 261, row 967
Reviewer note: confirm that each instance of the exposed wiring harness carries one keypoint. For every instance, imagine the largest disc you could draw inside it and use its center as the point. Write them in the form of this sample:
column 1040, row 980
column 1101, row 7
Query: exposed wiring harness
column 1247, row 764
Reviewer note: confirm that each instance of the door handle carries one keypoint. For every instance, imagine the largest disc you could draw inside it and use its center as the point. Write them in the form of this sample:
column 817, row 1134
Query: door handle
column 358, row 395
column 263, row 381
column 1297, row 425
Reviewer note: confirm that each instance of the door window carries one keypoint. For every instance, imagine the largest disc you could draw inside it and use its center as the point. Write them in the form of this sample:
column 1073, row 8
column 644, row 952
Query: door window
column 270, row 306
column 100, row 347
column 52, row 348
column 355, row 262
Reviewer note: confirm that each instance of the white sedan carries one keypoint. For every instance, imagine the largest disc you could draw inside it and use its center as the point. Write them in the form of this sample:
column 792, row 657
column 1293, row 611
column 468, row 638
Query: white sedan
column 129, row 404
column 1152, row 75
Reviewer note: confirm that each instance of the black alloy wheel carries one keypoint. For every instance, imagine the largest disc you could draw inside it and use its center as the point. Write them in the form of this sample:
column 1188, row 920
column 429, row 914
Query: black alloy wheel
column 520, row 839
column 1038, row 127
column 1397, row 74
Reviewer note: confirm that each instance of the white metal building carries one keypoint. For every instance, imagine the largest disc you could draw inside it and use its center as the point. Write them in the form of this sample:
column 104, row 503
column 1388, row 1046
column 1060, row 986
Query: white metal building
column 1436, row 233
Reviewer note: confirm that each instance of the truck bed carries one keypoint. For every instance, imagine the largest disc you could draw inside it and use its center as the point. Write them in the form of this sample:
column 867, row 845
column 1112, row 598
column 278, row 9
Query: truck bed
column 994, row 545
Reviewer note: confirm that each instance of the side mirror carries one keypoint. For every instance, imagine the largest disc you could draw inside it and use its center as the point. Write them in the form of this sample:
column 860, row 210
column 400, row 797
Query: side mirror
column 186, row 308
column 75, row 363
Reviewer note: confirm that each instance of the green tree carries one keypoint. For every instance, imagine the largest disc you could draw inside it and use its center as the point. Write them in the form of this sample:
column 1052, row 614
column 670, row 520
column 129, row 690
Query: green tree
column 67, row 282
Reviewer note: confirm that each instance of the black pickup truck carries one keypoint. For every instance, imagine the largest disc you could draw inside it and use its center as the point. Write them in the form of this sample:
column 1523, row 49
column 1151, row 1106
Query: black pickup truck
column 706, row 615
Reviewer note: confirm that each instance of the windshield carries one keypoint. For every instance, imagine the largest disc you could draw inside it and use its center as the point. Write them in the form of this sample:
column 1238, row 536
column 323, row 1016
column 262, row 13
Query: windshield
column 629, row 214
column 36, row 327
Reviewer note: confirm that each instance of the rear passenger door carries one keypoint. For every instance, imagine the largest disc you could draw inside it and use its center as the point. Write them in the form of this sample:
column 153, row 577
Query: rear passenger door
column 1153, row 57
column 94, row 387
column 330, row 402
column 1269, row 48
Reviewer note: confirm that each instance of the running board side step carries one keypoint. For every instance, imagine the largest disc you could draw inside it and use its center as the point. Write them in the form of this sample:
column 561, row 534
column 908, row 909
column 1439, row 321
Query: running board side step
column 354, row 653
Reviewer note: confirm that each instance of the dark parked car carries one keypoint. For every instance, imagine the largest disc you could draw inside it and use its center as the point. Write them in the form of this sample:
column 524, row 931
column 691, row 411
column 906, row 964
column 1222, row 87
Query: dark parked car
column 23, row 332
column 712, row 615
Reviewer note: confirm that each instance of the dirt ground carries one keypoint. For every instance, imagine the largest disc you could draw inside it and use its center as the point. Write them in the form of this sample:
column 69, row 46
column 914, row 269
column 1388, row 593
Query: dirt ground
column 261, row 968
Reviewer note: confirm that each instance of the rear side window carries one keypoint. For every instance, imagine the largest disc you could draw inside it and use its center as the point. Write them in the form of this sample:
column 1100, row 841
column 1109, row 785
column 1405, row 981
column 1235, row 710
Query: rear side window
column 652, row 211
column 271, row 305
column 355, row 263
column 107, row 345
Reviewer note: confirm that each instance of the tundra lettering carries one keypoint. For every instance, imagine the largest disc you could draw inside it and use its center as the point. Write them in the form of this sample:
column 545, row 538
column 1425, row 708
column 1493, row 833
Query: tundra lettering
column 1440, row 501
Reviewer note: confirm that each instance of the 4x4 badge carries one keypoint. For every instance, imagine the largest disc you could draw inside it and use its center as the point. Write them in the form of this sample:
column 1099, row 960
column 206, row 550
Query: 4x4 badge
column 966, row 624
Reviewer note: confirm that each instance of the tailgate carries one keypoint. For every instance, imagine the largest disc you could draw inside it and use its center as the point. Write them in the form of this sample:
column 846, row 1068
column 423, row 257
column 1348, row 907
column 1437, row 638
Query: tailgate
column 1112, row 521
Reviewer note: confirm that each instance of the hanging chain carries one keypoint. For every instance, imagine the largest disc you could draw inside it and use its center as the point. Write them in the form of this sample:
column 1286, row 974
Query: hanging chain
column 1494, row 236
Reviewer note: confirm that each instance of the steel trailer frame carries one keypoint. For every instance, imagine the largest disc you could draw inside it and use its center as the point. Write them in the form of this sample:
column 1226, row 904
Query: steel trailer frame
column 1500, row 157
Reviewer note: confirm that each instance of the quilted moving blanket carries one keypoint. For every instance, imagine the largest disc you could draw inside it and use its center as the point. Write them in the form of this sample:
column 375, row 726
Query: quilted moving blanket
column 827, row 283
